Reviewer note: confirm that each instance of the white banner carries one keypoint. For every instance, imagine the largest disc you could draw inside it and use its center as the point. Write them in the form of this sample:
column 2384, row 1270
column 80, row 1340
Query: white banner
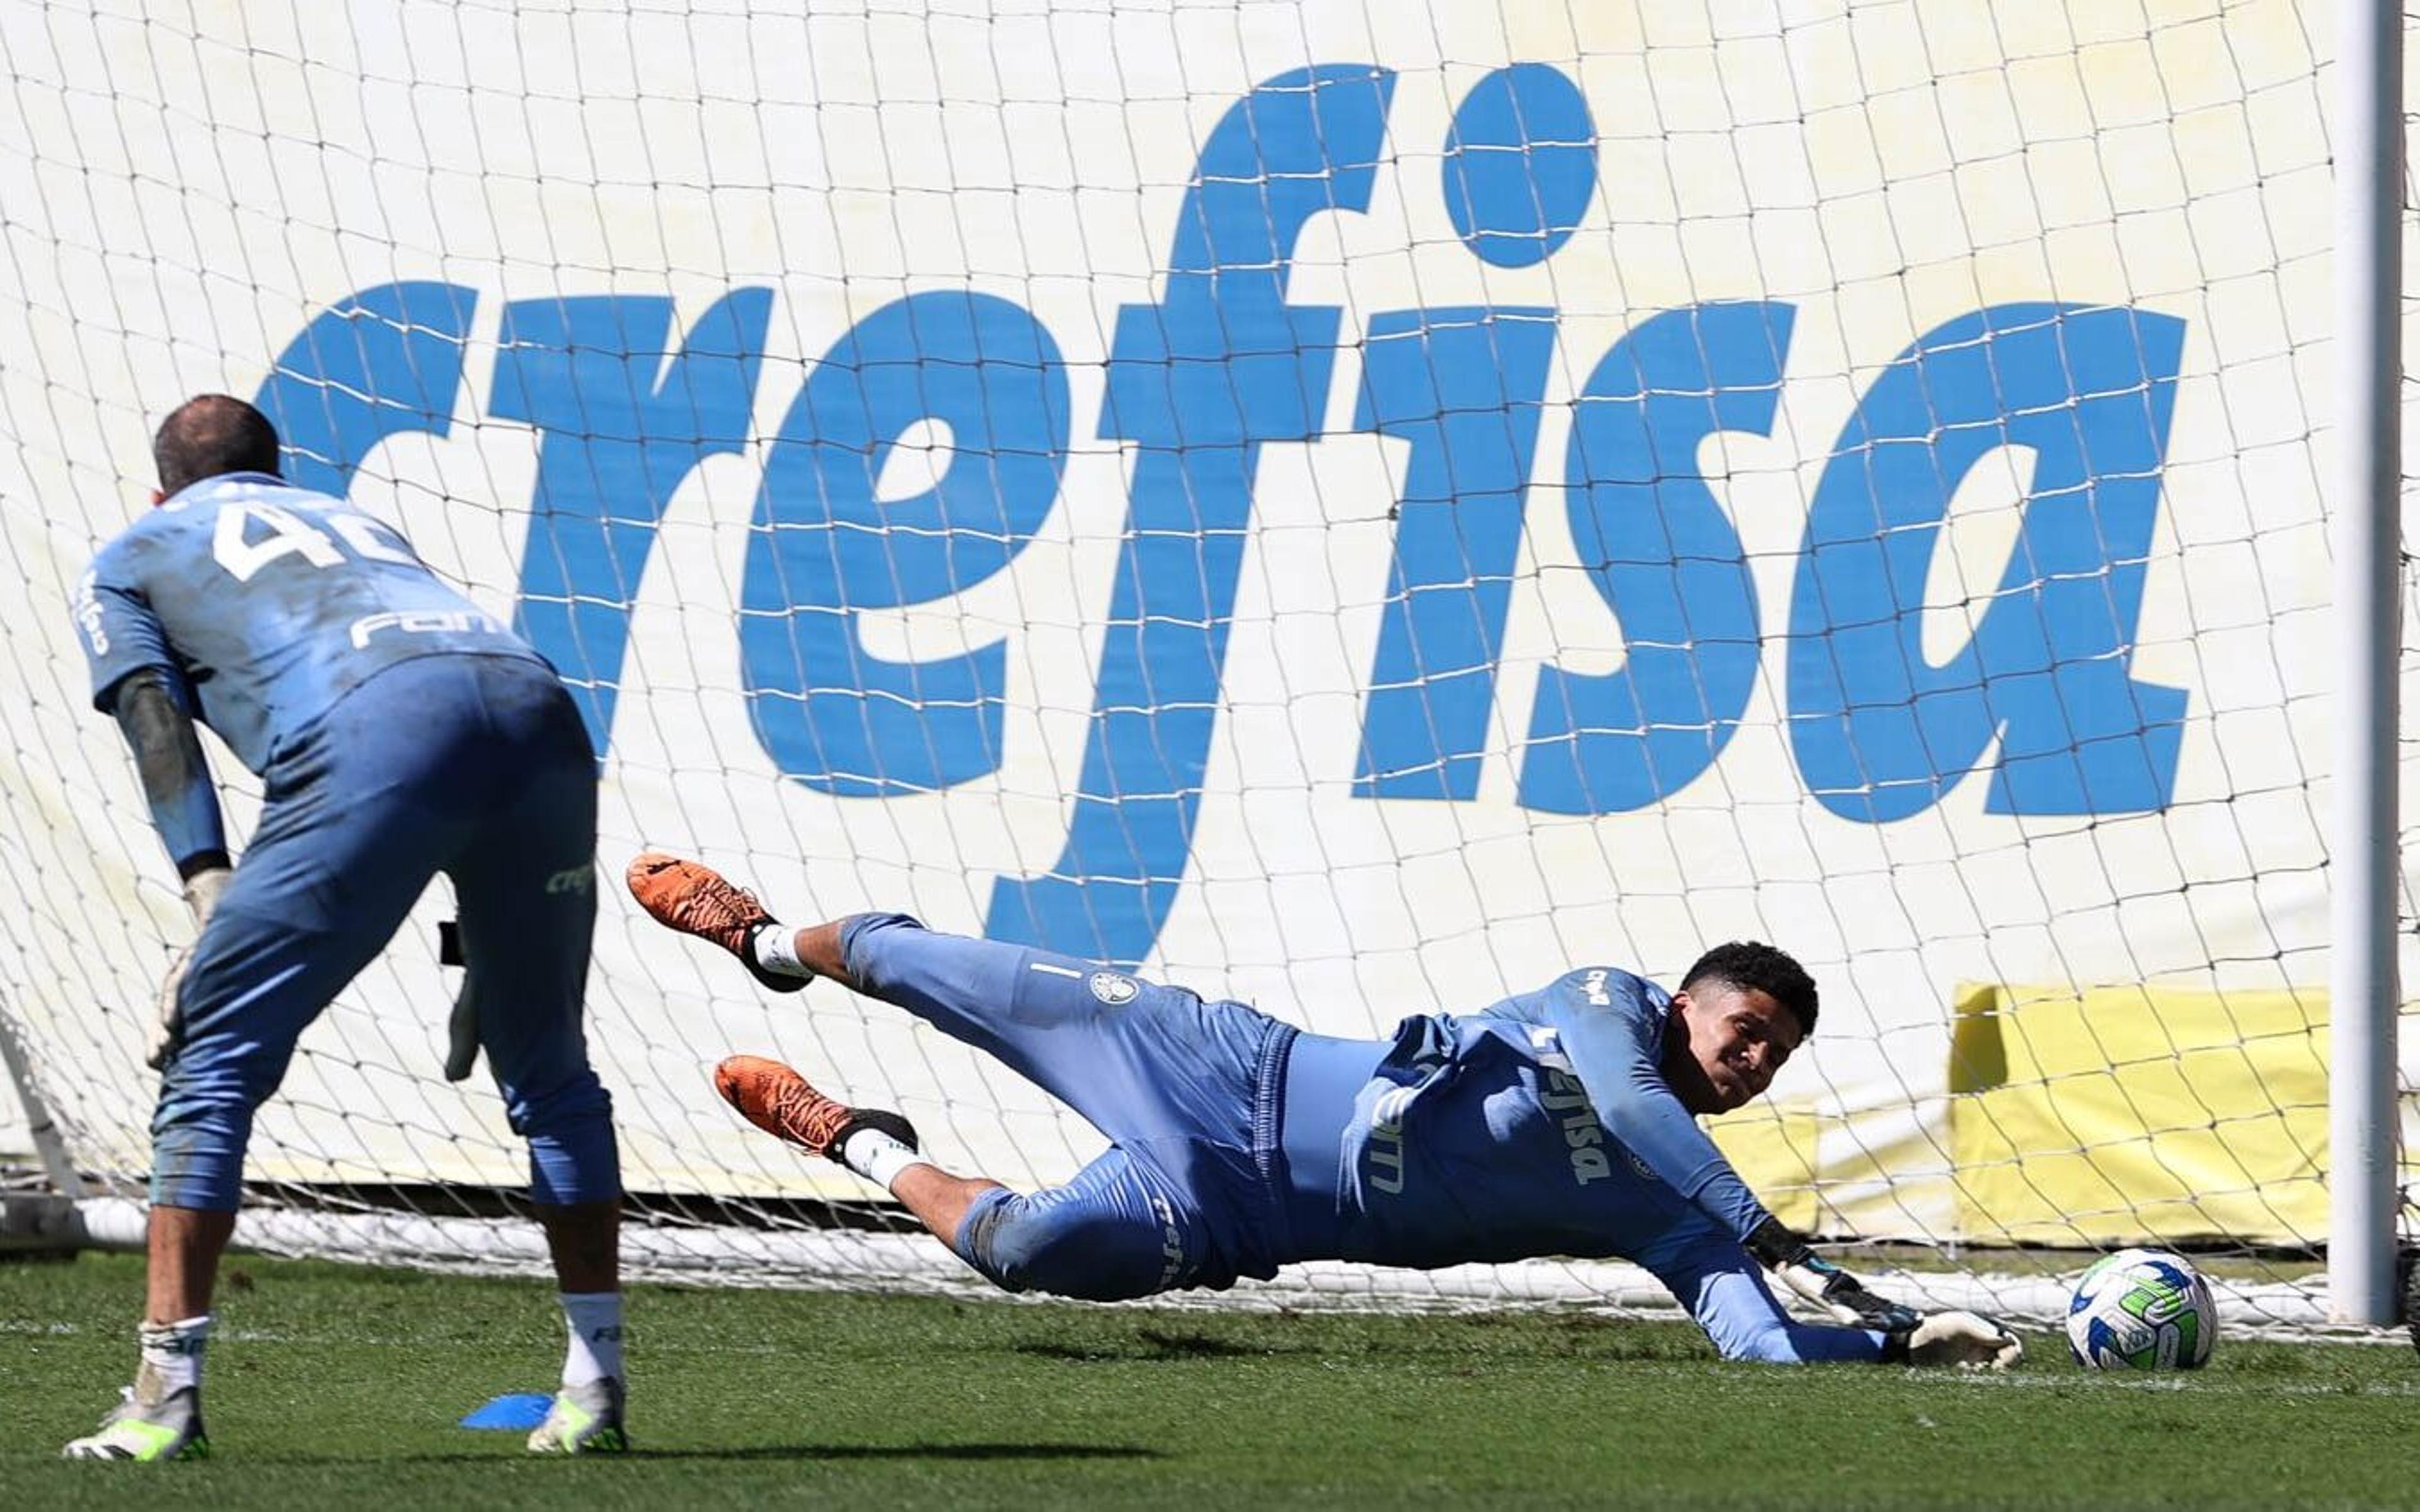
column 1354, row 508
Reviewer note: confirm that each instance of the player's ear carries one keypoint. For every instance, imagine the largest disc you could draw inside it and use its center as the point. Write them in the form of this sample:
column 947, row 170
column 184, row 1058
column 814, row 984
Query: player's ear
column 1680, row 1024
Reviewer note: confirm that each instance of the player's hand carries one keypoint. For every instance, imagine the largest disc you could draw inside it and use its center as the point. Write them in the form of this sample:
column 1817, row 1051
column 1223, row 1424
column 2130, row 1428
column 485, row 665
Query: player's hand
column 203, row 890
column 1967, row 1340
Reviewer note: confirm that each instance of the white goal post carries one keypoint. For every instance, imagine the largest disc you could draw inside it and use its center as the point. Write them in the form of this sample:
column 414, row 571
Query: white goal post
column 2366, row 861
column 1352, row 506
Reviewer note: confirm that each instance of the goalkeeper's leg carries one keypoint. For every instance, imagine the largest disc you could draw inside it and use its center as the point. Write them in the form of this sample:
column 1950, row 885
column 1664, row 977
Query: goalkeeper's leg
column 1119, row 1230
column 528, row 899
column 1187, row 1089
column 315, row 898
column 1145, row 1063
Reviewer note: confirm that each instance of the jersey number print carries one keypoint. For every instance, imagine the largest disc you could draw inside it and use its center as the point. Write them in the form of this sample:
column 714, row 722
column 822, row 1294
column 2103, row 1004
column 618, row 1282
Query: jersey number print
column 289, row 535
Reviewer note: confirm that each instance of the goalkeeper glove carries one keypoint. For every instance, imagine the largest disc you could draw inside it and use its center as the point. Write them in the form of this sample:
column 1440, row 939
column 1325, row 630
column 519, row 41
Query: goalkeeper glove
column 1967, row 1340
column 203, row 890
column 1838, row 1293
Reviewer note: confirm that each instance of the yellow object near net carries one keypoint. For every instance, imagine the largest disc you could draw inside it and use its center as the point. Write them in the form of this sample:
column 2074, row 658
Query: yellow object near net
column 2131, row 1113
column 2110, row 1116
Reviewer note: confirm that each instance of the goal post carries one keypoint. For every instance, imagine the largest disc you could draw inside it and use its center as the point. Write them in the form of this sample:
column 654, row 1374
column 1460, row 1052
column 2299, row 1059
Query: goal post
column 2362, row 1247
column 1353, row 508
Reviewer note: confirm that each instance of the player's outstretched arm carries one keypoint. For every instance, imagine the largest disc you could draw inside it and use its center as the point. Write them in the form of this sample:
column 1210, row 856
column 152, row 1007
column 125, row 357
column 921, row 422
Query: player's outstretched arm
column 1955, row 1337
column 1709, row 1275
column 184, row 809
column 1614, row 1048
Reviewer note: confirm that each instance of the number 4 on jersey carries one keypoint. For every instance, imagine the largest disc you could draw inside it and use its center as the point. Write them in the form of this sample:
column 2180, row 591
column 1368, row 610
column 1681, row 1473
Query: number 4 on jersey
column 232, row 542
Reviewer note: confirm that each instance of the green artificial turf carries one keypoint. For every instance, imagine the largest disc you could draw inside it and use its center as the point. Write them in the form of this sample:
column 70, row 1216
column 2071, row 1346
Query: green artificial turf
column 334, row 1385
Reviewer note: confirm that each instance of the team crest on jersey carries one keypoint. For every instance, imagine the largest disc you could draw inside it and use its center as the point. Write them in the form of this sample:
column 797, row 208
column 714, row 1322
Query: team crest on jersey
column 1114, row 988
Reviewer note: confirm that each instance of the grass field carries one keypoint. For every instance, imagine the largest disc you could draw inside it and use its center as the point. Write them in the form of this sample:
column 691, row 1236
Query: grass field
column 339, row 1387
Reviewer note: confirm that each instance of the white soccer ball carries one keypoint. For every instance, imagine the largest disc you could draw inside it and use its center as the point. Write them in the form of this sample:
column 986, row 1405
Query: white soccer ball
column 2142, row 1309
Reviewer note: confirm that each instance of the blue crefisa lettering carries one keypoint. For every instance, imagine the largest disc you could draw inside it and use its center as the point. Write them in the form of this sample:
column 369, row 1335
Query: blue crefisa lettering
column 1463, row 386
column 1664, row 557
column 1198, row 383
column 1880, row 732
column 1520, row 165
column 1223, row 364
column 621, row 424
column 385, row 362
column 827, row 547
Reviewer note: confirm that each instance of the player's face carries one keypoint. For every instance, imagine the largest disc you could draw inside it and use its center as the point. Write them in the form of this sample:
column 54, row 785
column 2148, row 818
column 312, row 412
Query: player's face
column 1727, row 1044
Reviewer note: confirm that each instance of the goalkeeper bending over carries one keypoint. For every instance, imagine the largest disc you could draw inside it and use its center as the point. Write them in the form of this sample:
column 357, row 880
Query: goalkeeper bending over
column 1556, row 1123
column 399, row 731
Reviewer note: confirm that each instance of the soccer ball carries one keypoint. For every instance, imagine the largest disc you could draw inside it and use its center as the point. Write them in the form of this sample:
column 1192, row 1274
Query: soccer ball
column 2142, row 1309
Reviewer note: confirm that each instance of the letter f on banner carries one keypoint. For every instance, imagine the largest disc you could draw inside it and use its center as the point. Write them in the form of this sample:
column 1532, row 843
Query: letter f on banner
column 1198, row 382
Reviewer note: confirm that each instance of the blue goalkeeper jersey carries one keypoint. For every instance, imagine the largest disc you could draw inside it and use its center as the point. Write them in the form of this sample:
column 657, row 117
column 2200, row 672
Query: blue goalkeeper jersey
column 266, row 604
column 1541, row 1125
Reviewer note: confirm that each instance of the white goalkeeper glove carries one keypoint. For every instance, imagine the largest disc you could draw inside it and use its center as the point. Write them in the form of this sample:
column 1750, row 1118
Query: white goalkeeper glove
column 203, row 890
column 1968, row 1340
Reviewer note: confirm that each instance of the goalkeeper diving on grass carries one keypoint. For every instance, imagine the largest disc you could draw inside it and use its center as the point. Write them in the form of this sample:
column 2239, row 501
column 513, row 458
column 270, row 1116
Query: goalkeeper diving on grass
column 1556, row 1122
column 399, row 731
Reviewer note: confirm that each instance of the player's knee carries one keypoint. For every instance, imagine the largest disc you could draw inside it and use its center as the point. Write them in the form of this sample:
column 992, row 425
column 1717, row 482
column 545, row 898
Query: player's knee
column 204, row 1075
column 860, row 936
column 573, row 1100
column 574, row 1164
column 568, row 1121
column 1023, row 1244
column 197, row 1145
column 1014, row 1243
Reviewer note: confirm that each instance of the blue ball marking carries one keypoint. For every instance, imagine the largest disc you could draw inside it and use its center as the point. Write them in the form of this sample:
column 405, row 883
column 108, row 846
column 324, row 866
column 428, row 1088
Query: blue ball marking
column 2098, row 1342
column 1520, row 165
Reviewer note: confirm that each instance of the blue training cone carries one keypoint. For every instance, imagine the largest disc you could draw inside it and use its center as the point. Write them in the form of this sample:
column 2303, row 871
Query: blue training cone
column 515, row 1412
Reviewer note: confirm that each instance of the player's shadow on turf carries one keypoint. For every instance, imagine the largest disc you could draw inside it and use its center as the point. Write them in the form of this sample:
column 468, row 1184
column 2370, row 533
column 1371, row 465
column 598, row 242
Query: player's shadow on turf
column 799, row 1451
column 1151, row 1343
column 914, row 1451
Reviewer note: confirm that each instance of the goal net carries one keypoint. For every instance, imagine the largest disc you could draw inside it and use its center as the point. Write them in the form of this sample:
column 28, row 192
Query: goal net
column 1356, row 508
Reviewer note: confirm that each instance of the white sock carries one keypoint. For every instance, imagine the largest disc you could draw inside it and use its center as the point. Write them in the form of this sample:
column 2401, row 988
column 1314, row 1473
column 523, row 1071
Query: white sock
column 172, row 1357
column 777, row 950
column 878, row 1157
column 593, row 1320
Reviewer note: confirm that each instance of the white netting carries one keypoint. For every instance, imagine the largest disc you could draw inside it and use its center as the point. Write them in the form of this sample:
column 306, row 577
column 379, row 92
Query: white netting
column 1355, row 507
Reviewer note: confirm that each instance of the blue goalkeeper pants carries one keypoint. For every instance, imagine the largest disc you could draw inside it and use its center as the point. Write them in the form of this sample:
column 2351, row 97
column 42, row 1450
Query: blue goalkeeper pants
column 475, row 767
column 1186, row 1091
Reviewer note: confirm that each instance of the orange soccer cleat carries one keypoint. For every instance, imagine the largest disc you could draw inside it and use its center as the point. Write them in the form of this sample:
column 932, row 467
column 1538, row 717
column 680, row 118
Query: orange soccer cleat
column 694, row 899
column 778, row 1100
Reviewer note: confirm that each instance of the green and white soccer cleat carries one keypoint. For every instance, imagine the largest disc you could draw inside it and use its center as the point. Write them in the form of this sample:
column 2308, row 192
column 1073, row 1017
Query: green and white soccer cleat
column 135, row 1429
column 585, row 1420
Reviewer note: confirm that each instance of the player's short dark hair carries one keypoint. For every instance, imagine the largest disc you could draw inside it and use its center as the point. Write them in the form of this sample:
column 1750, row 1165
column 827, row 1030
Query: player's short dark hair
column 1753, row 967
column 210, row 434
